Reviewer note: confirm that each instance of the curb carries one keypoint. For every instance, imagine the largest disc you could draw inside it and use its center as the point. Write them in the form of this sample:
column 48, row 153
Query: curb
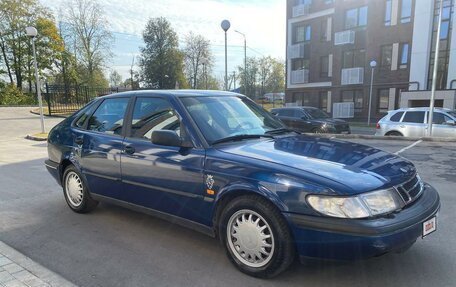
column 34, row 138
column 52, row 116
column 44, row 274
column 388, row 138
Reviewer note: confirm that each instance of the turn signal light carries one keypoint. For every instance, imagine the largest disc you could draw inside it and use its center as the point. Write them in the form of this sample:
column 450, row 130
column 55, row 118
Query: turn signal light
column 378, row 126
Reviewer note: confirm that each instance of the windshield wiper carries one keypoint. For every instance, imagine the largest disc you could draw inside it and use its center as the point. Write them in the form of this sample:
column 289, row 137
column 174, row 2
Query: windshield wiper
column 280, row 131
column 240, row 137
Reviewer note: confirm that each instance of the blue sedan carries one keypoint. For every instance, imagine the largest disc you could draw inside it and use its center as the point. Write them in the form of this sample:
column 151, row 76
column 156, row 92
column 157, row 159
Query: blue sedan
column 218, row 163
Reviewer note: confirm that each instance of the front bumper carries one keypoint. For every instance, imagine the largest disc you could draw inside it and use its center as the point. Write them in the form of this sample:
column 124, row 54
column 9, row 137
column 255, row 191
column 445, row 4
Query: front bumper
column 335, row 238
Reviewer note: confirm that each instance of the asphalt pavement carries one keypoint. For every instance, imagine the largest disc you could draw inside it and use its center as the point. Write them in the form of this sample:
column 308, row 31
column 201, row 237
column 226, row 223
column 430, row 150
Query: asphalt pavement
column 117, row 247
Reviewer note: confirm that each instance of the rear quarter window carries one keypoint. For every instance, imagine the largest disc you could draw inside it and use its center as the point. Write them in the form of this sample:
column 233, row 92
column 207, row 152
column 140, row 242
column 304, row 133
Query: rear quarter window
column 396, row 117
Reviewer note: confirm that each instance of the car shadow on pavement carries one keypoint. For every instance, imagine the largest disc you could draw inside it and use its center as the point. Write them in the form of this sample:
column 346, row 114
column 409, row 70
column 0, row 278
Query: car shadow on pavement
column 114, row 246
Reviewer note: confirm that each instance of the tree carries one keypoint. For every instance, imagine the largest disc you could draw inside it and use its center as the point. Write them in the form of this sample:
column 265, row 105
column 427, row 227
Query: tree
column 198, row 59
column 161, row 62
column 90, row 38
column 15, row 46
column 264, row 75
column 115, row 79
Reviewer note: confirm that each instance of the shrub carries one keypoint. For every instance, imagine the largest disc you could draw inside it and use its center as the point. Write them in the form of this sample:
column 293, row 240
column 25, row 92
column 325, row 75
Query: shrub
column 11, row 95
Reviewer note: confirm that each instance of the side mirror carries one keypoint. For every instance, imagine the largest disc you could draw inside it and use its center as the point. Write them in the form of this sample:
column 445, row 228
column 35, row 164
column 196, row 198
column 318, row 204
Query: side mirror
column 450, row 123
column 167, row 138
column 304, row 118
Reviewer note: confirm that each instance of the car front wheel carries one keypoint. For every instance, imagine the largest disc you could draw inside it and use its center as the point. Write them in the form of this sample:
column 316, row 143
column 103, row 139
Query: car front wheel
column 256, row 237
column 75, row 191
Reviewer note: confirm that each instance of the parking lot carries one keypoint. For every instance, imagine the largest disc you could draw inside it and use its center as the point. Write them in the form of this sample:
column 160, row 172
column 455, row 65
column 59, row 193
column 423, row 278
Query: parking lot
column 117, row 247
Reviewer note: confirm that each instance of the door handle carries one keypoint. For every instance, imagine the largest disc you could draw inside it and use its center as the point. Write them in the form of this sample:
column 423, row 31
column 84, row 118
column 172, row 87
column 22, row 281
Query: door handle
column 402, row 126
column 79, row 140
column 129, row 150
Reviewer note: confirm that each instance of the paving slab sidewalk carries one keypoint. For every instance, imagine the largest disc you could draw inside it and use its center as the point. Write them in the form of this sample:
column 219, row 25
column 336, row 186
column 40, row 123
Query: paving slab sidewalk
column 17, row 270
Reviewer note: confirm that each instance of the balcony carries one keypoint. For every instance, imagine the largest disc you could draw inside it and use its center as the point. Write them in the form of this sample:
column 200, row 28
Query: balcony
column 300, row 76
column 352, row 76
column 344, row 37
column 300, row 10
column 297, row 51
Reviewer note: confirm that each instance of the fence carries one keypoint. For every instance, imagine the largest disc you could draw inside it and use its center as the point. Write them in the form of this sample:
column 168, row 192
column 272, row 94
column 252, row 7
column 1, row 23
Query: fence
column 63, row 100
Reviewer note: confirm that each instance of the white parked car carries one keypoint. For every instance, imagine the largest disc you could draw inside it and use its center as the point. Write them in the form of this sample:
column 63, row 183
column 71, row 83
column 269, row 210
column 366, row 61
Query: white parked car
column 412, row 122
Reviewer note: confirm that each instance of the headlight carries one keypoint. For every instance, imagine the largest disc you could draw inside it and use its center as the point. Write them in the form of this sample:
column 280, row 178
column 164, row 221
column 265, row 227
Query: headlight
column 360, row 206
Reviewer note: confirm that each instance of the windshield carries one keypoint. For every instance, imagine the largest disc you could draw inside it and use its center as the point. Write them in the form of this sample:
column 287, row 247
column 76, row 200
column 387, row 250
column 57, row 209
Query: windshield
column 222, row 117
column 317, row 114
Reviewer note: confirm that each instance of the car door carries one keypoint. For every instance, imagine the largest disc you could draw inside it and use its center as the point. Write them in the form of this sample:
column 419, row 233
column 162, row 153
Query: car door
column 100, row 145
column 164, row 178
column 302, row 121
column 441, row 125
column 286, row 116
column 413, row 124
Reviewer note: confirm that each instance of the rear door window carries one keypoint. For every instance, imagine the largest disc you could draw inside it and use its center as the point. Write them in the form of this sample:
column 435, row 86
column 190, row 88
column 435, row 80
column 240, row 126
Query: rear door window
column 109, row 116
column 414, row 117
column 396, row 117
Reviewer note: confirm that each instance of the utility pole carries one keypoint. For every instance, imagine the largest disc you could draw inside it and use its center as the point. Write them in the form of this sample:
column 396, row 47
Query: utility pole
column 434, row 72
column 245, row 59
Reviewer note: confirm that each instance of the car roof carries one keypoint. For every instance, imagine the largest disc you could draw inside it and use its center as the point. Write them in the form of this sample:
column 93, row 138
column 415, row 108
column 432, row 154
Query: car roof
column 421, row 109
column 295, row 107
column 173, row 93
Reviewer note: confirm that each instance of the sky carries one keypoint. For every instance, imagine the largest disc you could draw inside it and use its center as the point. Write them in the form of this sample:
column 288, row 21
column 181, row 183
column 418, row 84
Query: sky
column 263, row 22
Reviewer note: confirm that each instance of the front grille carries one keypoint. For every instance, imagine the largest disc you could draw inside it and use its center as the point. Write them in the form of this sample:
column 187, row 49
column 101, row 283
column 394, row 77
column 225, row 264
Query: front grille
column 411, row 189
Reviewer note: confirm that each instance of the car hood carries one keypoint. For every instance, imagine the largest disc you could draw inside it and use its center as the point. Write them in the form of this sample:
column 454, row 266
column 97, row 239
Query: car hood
column 358, row 168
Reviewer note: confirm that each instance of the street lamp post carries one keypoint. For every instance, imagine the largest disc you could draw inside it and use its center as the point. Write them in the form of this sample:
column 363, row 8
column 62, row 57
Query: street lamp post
column 372, row 64
column 434, row 72
column 225, row 26
column 32, row 33
column 245, row 59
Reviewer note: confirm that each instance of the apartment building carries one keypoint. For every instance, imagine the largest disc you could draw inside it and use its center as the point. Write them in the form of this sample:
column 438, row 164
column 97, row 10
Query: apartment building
column 331, row 44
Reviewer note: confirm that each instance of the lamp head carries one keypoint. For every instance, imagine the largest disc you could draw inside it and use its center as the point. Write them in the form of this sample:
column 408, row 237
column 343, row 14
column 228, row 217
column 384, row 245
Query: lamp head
column 31, row 32
column 225, row 25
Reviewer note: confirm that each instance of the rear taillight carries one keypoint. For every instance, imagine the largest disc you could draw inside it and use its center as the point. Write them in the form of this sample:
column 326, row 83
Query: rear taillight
column 378, row 126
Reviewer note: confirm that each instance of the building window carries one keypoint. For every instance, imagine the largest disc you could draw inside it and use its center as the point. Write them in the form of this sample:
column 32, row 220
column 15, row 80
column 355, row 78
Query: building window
column 387, row 55
column 356, row 17
column 353, row 58
column 323, row 101
column 404, row 56
column 299, row 64
column 324, row 66
column 445, row 43
column 354, row 96
column 406, row 11
column 324, row 30
column 383, row 100
column 328, row 1
column 303, row 33
column 445, row 26
column 303, row 2
column 388, row 13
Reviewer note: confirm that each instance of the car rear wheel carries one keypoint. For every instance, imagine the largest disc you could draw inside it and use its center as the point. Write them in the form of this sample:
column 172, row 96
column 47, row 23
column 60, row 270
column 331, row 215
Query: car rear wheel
column 394, row 134
column 75, row 191
column 256, row 237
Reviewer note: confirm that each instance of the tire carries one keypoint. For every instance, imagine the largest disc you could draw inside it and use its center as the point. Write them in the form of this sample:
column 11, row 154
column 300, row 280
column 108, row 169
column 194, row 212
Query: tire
column 394, row 134
column 244, row 217
column 76, row 192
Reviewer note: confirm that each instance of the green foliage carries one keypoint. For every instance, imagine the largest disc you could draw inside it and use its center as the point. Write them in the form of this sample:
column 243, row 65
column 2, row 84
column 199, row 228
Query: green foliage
column 263, row 75
column 16, row 47
column 11, row 95
column 161, row 61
